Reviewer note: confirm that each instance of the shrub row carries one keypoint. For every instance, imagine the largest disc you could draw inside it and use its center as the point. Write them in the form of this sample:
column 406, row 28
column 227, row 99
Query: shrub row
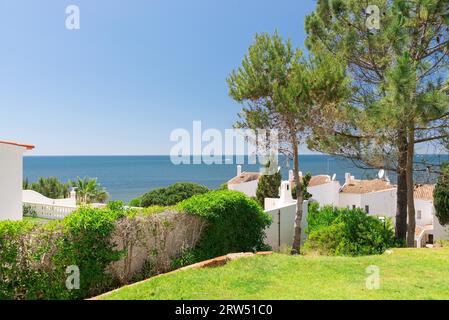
column 114, row 246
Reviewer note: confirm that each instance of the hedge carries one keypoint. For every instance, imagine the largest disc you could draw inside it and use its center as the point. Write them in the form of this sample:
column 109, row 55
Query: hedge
column 236, row 223
column 170, row 195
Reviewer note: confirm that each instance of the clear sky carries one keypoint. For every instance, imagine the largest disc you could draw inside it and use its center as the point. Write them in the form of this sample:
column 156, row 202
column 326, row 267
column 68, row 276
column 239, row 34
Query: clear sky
column 134, row 71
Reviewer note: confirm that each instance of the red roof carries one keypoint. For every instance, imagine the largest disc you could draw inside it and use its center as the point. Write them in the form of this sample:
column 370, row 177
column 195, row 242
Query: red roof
column 27, row 146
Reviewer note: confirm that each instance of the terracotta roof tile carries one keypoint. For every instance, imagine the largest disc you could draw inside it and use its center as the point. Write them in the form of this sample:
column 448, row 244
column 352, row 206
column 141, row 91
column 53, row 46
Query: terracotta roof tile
column 27, row 146
column 319, row 180
column 424, row 191
column 245, row 177
column 367, row 186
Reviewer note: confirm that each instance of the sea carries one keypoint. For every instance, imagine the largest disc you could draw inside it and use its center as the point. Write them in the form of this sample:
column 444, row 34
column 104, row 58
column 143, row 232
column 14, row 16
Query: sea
column 128, row 177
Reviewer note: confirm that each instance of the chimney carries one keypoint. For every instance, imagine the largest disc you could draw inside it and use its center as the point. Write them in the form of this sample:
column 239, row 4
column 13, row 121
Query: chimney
column 286, row 193
column 290, row 176
column 239, row 170
column 348, row 178
column 73, row 194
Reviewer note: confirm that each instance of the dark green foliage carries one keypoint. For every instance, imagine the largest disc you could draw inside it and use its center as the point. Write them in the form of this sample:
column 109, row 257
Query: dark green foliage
column 268, row 187
column 135, row 202
column 441, row 196
column 34, row 258
column 85, row 243
column 304, row 184
column 346, row 232
column 236, row 223
column 11, row 279
column 172, row 195
column 50, row 187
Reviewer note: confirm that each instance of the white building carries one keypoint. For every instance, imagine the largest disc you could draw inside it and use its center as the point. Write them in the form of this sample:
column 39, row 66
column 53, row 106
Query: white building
column 11, row 179
column 245, row 182
column 376, row 197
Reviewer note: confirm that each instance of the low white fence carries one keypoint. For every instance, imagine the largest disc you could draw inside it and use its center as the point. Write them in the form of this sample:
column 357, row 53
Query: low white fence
column 49, row 211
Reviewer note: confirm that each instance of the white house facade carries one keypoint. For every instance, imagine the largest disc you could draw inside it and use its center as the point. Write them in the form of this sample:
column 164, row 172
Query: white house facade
column 11, row 179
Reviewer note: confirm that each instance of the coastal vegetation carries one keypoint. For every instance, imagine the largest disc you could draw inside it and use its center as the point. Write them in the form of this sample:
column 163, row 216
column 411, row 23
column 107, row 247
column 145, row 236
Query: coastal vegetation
column 170, row 195
column 88, row 190
column 50, row 187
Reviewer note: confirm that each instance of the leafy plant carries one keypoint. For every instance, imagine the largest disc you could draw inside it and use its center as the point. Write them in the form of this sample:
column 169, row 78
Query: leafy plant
column 441, row 196
column 172, row 194
column 236, row 223
column 88, row 190
column 268, row 187
column 346, row 232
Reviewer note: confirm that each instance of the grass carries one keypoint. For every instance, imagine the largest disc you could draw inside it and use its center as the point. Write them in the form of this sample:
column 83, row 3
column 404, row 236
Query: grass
column 404, row 274
column 35, row 219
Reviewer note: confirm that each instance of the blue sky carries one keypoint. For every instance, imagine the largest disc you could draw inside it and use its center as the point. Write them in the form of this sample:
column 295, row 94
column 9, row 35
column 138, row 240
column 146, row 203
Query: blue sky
column 135, row 70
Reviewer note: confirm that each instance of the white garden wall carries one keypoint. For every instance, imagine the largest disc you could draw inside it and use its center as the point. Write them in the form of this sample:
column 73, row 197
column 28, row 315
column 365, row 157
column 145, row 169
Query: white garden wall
column 11, row 179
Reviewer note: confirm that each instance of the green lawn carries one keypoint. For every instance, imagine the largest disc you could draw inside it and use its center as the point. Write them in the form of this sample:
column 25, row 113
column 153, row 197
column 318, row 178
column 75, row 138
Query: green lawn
column 404, row 274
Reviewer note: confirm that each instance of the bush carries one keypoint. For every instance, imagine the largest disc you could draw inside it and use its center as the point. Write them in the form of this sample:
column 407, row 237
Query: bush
column 347, row 232
column 172, row 195
column 441, row 196
column 135, row 203
column 268, row 187
column 236, row 223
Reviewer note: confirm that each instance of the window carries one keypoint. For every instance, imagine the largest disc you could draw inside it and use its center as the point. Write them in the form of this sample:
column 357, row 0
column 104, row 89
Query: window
column 419, row 214
column 367, row 209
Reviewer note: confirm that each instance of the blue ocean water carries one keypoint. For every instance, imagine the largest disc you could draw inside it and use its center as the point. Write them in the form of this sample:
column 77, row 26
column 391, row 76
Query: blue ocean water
column 127, row 177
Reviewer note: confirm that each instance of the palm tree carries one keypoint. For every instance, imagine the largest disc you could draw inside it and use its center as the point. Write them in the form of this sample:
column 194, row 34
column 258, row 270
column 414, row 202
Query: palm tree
column 88, row 190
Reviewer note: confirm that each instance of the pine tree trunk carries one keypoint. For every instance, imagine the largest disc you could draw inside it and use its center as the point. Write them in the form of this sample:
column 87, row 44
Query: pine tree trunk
column 401, row 204
column 299, row 200
column 410, row 189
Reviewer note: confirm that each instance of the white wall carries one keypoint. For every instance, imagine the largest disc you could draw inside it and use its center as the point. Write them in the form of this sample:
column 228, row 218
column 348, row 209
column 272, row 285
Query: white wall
column 11, row 180
column 326, row 194
column 350, row 199
column 427, row 212
column 381, row 203
column 284, row 232
column 31, row 196
column 248, row 188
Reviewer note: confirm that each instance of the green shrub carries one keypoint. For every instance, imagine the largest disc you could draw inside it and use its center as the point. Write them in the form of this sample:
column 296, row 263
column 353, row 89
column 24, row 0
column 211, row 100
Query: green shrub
column 347, row 232
column 85, row 243
column 441, row 196
column 236, row 223
column 172, row 195
column 11, row 276
column 268, row 187
column 135, row 202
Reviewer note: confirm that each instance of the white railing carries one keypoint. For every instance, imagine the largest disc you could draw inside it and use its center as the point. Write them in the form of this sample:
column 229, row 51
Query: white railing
column 50, row 211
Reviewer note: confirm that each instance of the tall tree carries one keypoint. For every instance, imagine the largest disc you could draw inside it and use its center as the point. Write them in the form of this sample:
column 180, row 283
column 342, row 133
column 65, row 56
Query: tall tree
column 282, row 91
column 398, row 100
